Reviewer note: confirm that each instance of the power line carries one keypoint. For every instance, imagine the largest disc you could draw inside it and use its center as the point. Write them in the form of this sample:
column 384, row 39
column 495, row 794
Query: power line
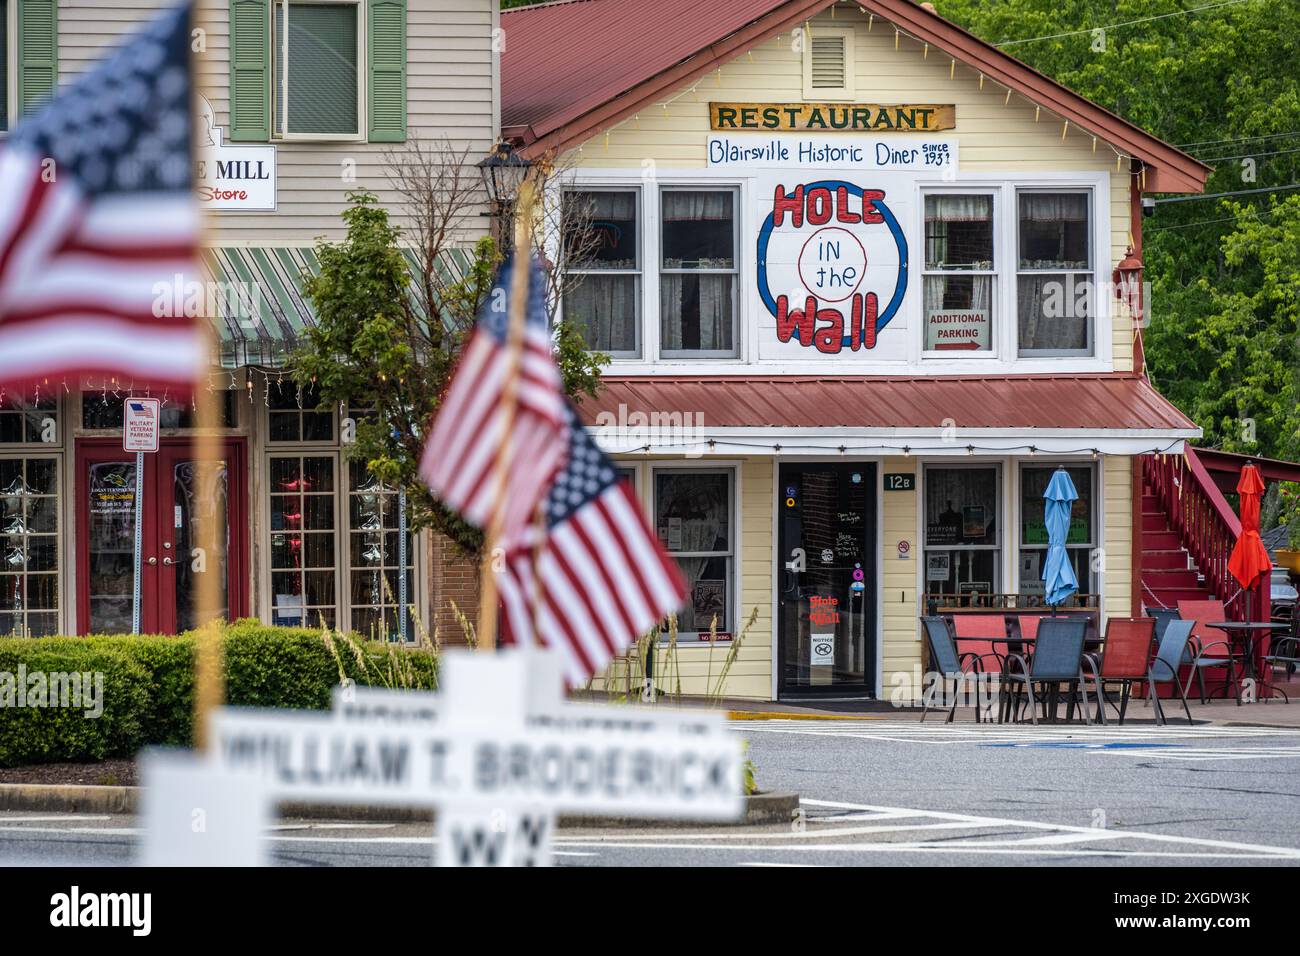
column 1239, row 192
column 1276, row 152
column 1126, row 23
column 1239, row 139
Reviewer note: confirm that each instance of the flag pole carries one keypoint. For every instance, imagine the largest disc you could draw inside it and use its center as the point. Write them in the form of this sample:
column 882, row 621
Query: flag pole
column 518, row 302
column 207, row 567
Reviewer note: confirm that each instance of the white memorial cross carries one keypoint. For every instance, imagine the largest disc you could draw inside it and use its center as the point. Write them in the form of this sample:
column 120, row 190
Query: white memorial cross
column 497, row 752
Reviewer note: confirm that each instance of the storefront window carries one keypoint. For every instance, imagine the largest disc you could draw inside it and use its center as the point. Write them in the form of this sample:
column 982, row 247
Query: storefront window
column 29, row 419
column 693, row 520
column 603, row 265
column 29, row 547
column 1033, row 532
column 959, row 273
column 697, row 275
column 962, row 552
column 375, row 557
column 302, row 540
column 293, row 414
column 1054, row 285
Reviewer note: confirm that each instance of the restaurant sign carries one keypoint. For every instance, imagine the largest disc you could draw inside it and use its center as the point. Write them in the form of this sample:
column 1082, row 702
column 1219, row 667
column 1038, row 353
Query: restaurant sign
column 832, row 117
column 238, row 178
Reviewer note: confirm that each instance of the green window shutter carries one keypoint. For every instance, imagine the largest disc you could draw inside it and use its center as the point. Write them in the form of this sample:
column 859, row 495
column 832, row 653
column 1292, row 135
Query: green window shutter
column 386, row 90
column 250, row 70
column 38, row 52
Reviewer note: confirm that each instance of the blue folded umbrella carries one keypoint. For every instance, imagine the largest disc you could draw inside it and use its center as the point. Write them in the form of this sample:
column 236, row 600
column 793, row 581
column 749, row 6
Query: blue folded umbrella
column 1059, row 581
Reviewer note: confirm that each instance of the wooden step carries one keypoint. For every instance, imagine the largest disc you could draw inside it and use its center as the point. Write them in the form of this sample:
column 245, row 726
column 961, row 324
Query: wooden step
column 1171, row 596
column 1154, row 522
column 1156, row 578
column 1161, row 541
column 1175, row 559
column 1151, row 503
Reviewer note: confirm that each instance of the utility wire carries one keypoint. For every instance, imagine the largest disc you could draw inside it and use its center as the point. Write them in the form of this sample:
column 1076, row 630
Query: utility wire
column 1239, row 192
column 1126, row 23
column 1239, row 139
column 1276, row 152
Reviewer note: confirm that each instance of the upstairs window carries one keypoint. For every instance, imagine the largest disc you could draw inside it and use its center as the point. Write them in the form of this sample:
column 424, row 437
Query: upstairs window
column 1055, row 280
column 828, row 64
column 697, row 274
column 603, row 265
column 960, row 277
column 315, row 57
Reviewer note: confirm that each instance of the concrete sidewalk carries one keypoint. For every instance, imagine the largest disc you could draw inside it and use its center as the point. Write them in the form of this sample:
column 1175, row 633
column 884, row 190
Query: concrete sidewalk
column 1272, row 713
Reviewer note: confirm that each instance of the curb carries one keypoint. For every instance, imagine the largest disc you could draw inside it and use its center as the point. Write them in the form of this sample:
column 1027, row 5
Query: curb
column 760, row 808
column 740, row 715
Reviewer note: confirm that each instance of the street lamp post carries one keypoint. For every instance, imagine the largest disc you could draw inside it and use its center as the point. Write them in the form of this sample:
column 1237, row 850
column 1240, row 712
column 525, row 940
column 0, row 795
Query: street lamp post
column 503, row 171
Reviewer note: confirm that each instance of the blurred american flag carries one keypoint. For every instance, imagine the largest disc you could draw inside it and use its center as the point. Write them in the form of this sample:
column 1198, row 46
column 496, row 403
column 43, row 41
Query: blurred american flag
column 99, row 226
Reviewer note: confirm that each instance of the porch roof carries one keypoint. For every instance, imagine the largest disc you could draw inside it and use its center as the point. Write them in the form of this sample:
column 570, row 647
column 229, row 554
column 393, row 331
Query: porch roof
column 258, row 308
column 1112, row 413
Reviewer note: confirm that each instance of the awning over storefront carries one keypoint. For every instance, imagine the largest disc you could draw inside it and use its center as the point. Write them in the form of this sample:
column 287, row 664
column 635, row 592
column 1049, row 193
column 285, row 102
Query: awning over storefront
column 1114, row 413
column 255, row 300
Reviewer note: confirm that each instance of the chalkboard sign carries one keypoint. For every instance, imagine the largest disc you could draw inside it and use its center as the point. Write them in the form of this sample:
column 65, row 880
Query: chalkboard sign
column 900, row 482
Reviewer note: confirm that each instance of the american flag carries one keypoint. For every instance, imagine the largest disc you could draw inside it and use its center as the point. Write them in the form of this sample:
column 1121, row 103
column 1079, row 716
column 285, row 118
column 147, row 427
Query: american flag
column 459, row 461
column 99, row 225
column 597, row 578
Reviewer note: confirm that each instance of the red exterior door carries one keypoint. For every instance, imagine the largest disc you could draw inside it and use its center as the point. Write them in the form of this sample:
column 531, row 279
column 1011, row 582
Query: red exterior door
column 178, row 499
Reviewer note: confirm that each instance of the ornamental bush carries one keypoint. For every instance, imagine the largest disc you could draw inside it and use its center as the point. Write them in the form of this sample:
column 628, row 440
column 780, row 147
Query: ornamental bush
column 148, row 685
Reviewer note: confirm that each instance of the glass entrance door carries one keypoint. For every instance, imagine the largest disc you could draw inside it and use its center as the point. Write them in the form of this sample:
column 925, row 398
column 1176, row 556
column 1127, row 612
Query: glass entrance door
column 180, row 497
column 826, row 597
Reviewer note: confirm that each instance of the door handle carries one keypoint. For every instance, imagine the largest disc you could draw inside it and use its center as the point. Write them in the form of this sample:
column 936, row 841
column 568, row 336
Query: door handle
column 167, row 562
column 153, row 560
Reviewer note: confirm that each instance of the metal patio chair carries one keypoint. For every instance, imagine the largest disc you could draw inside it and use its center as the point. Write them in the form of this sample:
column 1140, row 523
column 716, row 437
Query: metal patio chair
column 1212, row 649
column 1171, row 654
column 951, row 665
column 1125, row 658
column 1162, row 616
column 1058, row 659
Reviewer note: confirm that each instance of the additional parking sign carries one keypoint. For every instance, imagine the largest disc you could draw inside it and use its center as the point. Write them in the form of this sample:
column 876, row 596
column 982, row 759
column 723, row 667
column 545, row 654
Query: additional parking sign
column 140, row 424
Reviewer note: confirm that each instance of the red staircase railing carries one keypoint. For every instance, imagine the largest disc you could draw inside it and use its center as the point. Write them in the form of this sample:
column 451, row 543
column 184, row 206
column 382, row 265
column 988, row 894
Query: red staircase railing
column 1206, row 524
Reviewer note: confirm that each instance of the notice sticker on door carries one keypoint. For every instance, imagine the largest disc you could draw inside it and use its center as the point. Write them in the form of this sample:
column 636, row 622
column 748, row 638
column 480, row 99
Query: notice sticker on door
column 178, row 520
column 822, row 650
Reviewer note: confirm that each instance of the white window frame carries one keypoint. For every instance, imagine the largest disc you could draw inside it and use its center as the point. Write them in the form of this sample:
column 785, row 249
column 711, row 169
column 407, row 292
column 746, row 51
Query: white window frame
column 279, row 46
column 735, row 272
column 733, row 597
column 829, row 94
column 638, row 274
column 1088, row 275
column 999, row 547
column 996, row 297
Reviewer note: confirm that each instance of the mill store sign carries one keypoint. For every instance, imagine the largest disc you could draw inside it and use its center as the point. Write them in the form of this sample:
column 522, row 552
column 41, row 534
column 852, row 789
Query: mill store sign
column 238, row 178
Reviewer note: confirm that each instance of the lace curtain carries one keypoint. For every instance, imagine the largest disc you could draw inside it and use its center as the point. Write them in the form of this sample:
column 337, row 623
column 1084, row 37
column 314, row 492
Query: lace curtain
column 696, row 304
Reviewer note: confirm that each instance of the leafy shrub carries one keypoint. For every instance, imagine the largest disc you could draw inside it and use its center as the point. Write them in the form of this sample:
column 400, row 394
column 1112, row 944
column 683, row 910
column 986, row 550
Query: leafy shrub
column 148, row 684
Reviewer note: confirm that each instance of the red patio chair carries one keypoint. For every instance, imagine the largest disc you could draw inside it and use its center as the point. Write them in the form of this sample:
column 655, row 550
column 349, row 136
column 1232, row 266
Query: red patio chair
column 979, row 633
column 1210, row 646
column 1125, row 658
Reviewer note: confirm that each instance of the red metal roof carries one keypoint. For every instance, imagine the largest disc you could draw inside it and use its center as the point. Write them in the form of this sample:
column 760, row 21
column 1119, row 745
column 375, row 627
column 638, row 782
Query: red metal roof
column 1098, row 401
column 573, row 68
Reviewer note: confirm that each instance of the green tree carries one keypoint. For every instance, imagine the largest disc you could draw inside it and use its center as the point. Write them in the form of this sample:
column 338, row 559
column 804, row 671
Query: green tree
column 1221, row 83
column 388, row 343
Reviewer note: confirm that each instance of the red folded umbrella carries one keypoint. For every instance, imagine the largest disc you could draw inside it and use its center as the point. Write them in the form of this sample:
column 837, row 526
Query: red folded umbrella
column 1249, row 556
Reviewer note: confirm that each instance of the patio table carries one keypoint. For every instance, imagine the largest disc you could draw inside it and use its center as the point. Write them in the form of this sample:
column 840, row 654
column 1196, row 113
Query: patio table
column 1252, row 631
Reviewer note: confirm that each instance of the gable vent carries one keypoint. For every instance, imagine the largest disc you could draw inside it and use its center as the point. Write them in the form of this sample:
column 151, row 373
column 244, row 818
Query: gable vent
column 828, row 63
